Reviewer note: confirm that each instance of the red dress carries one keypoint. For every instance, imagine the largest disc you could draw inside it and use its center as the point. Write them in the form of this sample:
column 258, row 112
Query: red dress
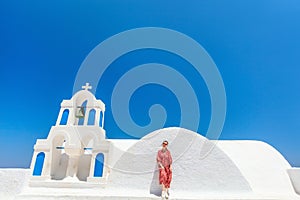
column 165, row 174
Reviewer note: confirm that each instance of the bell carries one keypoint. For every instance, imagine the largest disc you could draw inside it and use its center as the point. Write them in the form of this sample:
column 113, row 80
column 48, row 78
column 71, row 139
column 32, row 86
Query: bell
column 80, row 112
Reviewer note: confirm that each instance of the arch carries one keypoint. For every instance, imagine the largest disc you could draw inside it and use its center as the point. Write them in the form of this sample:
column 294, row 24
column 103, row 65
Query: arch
column 90, row 138
column 101, row 119
column 59, row 137
column 99, row 163
column 82, row 96
column 64, row 118
column 39, row 162
column 92, row 115
column 87, row 142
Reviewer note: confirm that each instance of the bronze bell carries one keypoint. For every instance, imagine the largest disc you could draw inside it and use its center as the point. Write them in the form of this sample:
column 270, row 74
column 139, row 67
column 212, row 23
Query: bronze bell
column 80, row 112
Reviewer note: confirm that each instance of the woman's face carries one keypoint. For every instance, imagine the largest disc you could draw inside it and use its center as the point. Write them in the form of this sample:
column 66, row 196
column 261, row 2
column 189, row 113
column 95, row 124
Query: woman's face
column 164, row 145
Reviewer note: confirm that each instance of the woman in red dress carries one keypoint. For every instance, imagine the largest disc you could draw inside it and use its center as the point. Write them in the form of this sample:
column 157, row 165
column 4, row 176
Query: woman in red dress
column 164, row 160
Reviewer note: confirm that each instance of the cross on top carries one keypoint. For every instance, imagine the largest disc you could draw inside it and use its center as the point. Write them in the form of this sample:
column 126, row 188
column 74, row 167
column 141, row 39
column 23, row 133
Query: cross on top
column 87, row 86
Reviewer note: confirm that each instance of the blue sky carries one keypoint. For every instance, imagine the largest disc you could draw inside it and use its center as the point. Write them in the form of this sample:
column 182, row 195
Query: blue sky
column 255, row 45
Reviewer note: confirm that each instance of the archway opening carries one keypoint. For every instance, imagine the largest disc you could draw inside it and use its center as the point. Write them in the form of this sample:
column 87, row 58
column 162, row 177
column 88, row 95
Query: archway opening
column 60, row 159
column 80, row 113
column 99, row 163
column 84, row 162
column 101, row 119
column 64, row 118
column 92, row 115
column 39, row 162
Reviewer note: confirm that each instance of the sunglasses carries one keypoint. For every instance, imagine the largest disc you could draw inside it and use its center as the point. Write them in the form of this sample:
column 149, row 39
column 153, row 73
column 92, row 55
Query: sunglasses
column 165, row 144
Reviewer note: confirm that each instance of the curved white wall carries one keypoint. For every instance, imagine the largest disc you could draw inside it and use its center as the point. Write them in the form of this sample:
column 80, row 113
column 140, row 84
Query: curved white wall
column 194, row 171
column 261, row 164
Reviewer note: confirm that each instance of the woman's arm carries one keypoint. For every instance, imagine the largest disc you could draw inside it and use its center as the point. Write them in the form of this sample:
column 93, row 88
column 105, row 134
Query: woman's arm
column 158, row 160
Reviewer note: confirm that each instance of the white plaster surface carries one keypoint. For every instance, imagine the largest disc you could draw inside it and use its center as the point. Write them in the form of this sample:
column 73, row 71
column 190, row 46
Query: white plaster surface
column 230, row 170
column 194, row 171
column 294, row 173
column 12, row 181
column 261, row 164
column 117, row 148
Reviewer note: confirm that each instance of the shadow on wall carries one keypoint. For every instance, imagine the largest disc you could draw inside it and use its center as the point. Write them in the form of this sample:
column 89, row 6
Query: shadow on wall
column 294, row 174
column 155, row 187
column 61, row 170
column 84, row 167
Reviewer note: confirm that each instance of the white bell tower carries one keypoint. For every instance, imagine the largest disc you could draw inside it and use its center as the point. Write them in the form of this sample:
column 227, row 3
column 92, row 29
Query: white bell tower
column 76, row 147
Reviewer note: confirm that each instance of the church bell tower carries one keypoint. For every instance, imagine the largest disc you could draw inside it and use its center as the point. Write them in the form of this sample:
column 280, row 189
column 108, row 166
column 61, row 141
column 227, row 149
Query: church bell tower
column 76, row 147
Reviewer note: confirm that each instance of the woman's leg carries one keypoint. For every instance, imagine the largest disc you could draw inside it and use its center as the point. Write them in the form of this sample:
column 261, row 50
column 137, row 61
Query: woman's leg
column 162, row 180
column 163, row 191
column 168, row 181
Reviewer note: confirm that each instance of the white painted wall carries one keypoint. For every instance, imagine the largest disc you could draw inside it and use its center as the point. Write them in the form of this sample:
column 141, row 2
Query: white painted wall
column 230, row 167
column 12, row 182
column 261, row 164
column 294, row 173
column 201, row 168
column 193, row 171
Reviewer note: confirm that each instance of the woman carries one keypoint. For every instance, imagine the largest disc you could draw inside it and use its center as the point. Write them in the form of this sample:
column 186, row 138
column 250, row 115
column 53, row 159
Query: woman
column 164, row 160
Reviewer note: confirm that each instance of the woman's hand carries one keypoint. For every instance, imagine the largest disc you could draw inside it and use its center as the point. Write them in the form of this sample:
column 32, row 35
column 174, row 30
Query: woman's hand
column 161, row 166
